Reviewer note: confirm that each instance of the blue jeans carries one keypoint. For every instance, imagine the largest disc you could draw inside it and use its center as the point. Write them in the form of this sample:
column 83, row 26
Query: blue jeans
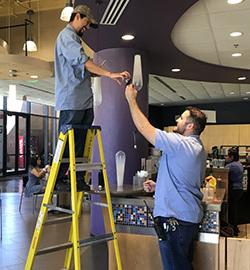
column 177, row 249
column 73, row 117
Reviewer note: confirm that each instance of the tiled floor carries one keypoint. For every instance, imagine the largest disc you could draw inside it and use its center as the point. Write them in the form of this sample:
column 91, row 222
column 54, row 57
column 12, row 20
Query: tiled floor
column 17, row 231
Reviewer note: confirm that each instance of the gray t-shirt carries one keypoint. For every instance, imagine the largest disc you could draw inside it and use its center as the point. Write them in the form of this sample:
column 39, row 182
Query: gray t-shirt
column 72, row 81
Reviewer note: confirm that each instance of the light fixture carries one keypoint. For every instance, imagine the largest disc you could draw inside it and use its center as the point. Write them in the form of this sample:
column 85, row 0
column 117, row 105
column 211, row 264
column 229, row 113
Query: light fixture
column 67, row 11
column 248, row 92
column 238, row 54
column 34, row 76
column 234, row 2
column 236, row 34
column 231, row 93
column 128, row 37
column 245, row 98
column 242, row 78
column 29, row 44
column 175, row 69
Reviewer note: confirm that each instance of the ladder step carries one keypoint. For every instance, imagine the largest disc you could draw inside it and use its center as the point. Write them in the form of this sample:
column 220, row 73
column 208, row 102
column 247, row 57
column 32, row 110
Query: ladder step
column 82, row 243
column 78, row 160
column 88, row 167
column 97, row 239
column 58, row 220
column 98, row 204
column 59, row 209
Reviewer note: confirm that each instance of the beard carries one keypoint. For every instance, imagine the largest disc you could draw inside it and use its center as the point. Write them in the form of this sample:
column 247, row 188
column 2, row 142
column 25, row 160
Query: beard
column 81, row 31
column 179, row 130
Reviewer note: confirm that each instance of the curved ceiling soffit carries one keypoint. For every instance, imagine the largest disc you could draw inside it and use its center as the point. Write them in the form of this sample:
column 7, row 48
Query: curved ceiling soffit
column 153, row 35
column 215, row 72
column 203, row 33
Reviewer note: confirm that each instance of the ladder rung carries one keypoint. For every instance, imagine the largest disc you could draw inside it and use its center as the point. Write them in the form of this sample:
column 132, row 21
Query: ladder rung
column 88, row 167
column 98, row 203
column 58, row 220
column 82, row 243
column 59, row 209
column 78, row 159
column 96, row 239
column 54, row 248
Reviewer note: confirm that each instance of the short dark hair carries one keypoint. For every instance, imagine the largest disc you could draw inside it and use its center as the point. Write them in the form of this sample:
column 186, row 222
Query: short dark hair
column 33, row 160
column 199, row 119
column 233, row 153
column 72, row 17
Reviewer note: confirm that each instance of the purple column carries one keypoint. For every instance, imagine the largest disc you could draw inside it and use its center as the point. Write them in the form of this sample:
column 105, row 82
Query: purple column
column 114, row 117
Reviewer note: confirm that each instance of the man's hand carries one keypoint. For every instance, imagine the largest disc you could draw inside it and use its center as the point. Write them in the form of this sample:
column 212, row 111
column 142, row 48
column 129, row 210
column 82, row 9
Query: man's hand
column 119, row 76
column 131, row 93
column 149, row 185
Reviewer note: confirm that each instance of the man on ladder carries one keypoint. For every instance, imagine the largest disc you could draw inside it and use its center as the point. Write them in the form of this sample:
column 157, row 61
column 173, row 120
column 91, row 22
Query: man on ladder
column 74, row 97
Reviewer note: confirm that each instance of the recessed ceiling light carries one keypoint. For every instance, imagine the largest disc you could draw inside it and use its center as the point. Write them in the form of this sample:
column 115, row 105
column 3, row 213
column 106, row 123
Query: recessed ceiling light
column 236, row 34
column 237, row 54
column 162, row 104
column 232, row 93
column 248, row 92
column 175, row 69
column 242, row 78
column 33, row 76
column 234, row 2
column 245, row 98
column 12, row 70
column 128, row 37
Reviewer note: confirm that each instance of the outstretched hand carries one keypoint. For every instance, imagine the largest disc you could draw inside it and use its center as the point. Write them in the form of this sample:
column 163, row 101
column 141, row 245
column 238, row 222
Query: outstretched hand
column 120, row 76
column 131, row 93
column 149, row 185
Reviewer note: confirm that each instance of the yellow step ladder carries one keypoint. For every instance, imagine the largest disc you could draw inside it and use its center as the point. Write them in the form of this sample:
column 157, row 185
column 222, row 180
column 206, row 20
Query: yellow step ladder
column 74, row 243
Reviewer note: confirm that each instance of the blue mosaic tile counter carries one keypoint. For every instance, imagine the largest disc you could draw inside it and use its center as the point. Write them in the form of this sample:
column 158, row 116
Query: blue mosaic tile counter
column 134, row 216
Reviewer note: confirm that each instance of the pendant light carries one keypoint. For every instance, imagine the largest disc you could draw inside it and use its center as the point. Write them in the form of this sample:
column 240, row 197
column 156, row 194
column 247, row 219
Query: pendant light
column 67, row 11
column 29, row 44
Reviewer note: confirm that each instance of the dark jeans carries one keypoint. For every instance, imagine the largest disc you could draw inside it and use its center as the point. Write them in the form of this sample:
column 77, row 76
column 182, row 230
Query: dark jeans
column 235, row 196
column 177, row 249
column 72, row 117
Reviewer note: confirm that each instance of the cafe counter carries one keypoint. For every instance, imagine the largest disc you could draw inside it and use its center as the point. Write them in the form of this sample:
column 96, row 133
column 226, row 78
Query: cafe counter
column 137, row 240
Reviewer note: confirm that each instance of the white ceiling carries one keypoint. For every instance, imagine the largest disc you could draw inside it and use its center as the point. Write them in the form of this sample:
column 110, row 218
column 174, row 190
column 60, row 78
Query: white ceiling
column 202, row 33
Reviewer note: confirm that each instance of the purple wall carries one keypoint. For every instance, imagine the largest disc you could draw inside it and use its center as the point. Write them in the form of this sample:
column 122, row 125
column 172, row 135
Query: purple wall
column 114, row 117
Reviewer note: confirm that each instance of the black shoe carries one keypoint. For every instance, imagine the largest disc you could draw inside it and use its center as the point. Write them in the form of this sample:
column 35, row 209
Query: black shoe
column 62, row 187
column 65, row 187
column 82, row 186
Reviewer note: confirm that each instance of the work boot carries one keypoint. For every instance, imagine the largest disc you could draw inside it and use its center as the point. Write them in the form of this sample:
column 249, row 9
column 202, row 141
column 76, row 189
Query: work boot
column 82, row 186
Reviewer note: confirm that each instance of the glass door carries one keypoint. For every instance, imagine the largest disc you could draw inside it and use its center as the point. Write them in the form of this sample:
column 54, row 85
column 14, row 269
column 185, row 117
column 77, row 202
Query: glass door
column 1, row 142
column 11, row 143
column 22, row 147
column 16, row 143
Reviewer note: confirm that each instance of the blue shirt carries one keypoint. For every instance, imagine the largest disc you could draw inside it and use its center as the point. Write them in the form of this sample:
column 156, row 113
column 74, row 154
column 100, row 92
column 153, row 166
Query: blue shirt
column 181, row 172
column 72, row 81
column 235, row 175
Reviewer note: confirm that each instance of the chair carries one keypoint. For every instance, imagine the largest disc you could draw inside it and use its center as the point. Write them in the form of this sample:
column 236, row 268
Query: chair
column 35, row 195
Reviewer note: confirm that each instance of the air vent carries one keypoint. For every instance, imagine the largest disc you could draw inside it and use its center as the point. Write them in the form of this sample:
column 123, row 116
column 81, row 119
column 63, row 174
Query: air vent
column 113, row 11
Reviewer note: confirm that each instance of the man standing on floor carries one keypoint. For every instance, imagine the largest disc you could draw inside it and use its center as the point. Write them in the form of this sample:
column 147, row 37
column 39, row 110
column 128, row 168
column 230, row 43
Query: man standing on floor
column 177, row 208
column 74, row 97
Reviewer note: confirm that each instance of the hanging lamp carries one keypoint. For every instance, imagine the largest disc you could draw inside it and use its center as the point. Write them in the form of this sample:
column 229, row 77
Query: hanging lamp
column 67, row 11
column 29, row 44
